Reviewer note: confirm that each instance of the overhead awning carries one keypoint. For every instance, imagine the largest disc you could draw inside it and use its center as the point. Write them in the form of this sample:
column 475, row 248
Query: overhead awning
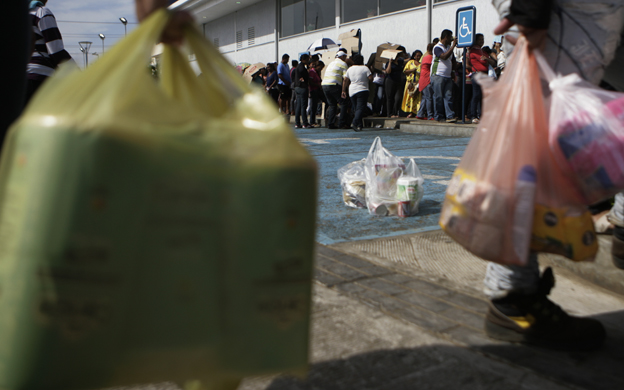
column 209, row 10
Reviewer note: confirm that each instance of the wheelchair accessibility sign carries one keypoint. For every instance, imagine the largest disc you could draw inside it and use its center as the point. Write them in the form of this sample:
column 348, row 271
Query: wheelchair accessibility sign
column 465, row 23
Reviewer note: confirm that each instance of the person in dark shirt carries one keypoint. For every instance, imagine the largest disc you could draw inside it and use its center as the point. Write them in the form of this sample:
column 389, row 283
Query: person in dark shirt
column 301, row 80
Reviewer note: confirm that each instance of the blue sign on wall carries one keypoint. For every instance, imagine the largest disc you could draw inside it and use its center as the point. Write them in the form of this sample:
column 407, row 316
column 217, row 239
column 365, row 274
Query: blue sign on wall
column 465, row 23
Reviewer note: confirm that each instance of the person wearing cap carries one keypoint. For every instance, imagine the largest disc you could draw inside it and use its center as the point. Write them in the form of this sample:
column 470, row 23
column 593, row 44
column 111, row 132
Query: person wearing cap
column 332, row 87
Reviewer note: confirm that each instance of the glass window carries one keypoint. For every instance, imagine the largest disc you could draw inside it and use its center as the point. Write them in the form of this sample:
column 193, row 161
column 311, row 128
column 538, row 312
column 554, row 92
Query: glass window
column 292, row 17
column 358, row 9
column 320, row 14
column 387, row 6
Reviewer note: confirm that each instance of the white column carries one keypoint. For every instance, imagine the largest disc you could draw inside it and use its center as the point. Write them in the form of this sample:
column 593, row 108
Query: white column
column 277, row 30
column 429, row 20
column 337, row 17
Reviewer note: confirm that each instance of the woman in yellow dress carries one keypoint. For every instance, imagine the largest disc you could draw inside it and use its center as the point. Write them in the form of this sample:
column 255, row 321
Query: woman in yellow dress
column 411, row 96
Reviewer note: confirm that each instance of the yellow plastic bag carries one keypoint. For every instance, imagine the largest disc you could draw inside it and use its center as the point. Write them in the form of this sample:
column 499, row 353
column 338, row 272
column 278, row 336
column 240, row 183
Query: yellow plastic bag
column 153, row 230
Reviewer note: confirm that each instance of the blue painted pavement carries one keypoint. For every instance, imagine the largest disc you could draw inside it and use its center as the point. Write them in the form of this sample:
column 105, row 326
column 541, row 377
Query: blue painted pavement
column 436, row 156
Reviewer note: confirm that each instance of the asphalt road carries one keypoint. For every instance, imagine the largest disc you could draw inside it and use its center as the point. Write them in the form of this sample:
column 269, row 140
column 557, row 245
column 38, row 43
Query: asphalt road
column 436, row 156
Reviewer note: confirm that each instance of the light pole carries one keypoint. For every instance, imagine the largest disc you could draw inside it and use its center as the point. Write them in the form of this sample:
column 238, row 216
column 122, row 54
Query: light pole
column 102, row 37
column 84, row 48
column 95, row 53
column 125, row 22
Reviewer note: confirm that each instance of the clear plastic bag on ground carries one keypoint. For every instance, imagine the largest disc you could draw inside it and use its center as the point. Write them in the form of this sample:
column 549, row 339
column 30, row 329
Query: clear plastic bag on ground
column 353, row 182
column 410, row 190
column 587, row 133
column 508, row 196
column 383, row 171
column 153, row 229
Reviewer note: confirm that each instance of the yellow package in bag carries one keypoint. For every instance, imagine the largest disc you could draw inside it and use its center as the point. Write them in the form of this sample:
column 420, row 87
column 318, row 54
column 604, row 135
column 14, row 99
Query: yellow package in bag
column 153, row 229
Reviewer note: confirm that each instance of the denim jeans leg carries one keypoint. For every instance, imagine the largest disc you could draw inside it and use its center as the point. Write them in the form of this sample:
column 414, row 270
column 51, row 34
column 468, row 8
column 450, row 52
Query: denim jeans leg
column 448, row 97
column 475, row 107
column 331, row 105
column 438, row 96
column 359, row 104
column 315, row 99
column 302, row 106
column 429, row 99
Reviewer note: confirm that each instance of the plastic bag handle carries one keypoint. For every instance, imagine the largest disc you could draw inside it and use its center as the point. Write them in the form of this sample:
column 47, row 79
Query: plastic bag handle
column 548, row 73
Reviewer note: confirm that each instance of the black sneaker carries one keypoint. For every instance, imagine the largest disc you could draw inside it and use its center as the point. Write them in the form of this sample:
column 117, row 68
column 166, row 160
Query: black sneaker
column 534, row 319
column 617, row 247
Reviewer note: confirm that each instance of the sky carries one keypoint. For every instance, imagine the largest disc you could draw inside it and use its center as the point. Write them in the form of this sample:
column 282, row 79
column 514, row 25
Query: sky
column 102, row 17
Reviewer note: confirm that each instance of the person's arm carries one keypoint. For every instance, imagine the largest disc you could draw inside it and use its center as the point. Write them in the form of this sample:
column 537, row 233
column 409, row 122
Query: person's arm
column 388, row 69
column 411, row 70
column 53, row 39
column 345, row 86
column 447, row 54
column 491, row 61
column 280, row 75
column 532, row 18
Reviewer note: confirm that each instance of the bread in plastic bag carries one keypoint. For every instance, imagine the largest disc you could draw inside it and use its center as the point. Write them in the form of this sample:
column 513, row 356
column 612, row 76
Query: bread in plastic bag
column 353, row 182
column 587, row 133
column 153, row 230
column 507, row 195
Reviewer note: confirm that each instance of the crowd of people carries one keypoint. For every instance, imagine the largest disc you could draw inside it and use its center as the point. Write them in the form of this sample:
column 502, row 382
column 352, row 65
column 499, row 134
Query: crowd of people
column 425, row 86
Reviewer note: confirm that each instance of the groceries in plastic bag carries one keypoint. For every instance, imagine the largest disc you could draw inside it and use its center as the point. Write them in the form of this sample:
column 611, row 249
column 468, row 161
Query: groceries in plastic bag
column 410, row 190
column 587, row 133
column 149, row 228
column 507, row 181
column 383, row 172
column 353, row 182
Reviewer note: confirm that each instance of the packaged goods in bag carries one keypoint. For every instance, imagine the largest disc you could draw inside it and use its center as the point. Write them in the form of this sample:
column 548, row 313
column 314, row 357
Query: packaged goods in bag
column 384, row 171
column 149, row 228
column 410, row 190
column 353, row 182
column 508, row 176
column 587, row 133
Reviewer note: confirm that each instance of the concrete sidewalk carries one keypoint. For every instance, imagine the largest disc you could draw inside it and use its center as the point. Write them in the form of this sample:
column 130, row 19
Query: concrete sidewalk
column 406, row 311
column 384, row 323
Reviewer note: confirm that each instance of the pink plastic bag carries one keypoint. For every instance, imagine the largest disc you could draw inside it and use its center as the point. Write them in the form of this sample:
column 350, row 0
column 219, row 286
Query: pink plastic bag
column 587, row 133
column 508, row 176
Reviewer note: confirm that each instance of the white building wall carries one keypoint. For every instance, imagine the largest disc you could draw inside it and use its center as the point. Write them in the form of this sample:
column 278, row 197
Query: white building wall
column 408, row 28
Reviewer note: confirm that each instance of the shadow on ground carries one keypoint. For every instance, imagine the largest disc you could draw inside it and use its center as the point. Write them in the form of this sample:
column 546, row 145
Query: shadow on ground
column 493, row 366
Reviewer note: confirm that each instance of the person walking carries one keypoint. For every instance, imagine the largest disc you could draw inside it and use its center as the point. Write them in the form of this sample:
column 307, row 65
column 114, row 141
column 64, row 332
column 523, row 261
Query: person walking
column 411, row 93
column 424, row 86
column 332, row 87
column 48, row 50
column 283, row 85
column 441, row 69
column 519, row 308
column 355, row 84
column 302, row 91
column 316, row 91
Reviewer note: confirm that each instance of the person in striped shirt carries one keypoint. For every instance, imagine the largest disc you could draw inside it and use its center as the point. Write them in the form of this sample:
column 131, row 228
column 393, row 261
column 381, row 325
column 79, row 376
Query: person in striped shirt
column 47, row 51
column 332, row 87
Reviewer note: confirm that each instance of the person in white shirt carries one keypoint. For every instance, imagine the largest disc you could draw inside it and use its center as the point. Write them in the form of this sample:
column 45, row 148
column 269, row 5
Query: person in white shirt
column 356, row 84
column 441, row 69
